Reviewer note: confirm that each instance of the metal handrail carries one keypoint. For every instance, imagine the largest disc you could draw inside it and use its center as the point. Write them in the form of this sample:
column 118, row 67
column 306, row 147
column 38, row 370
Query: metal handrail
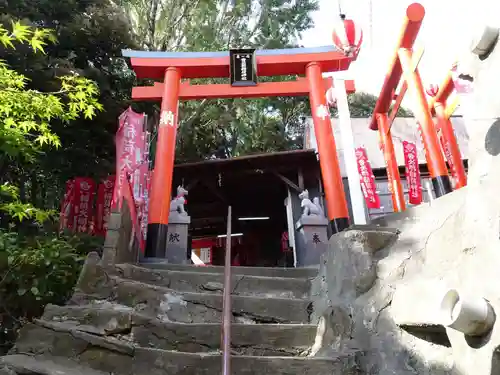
column 226, row 302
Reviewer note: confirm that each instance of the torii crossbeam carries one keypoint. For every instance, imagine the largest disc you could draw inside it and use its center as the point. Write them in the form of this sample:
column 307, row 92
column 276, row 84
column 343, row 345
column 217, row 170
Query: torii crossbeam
column 172, row 67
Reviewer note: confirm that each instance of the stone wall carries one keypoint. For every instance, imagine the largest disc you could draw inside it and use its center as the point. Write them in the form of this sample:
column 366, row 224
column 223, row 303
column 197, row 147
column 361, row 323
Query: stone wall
column 380, row 286
column 120, row 246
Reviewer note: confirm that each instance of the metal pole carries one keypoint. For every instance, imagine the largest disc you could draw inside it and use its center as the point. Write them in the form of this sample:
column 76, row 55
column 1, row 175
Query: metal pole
column 226, row 302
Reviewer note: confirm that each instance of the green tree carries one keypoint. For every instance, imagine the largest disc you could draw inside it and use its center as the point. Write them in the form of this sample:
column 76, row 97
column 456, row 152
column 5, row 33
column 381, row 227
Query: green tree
column 222, row 128
column 362, row 104
column 91, row 35
column 26, row 115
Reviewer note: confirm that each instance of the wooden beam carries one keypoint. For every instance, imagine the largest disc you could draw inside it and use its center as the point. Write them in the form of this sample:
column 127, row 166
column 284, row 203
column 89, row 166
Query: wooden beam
column 288, row 182
column 445, row 90
column 417, row 56
column 451, row 106
column 214, row 191
column 300, row 87
column 413, row 20
column 218, row 66
column 301, row 179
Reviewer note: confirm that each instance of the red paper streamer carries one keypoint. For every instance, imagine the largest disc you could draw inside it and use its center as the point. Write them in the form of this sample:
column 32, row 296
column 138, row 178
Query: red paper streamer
column 412, row 172
column 367, row 179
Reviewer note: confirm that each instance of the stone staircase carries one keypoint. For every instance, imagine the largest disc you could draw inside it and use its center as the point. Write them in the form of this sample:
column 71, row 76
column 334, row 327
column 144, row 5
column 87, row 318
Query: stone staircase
column 156, row 319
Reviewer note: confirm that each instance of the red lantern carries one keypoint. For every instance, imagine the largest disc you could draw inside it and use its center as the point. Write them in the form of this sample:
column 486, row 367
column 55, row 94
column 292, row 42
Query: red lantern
column 347, row 36
column 330, row 97
column 432, row 90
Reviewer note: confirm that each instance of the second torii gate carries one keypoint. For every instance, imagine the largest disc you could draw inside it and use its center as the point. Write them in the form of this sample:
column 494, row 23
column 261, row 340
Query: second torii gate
column 404, row 63
column 172, row 67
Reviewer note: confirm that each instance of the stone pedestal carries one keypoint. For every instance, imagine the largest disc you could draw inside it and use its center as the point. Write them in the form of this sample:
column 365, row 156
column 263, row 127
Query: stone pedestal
column 177, row 246
column 177, row 241
column 311, row 240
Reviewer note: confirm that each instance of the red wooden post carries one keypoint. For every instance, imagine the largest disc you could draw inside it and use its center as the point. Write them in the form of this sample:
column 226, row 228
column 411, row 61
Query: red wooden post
column 161, row 186
column 451, row 141
column 398, row 198
column 336, row 203
column 435, row 160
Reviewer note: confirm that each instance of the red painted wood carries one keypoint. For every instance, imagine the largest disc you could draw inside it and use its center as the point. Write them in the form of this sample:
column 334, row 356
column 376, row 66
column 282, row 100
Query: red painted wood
column 216, row 67
column 445, row 90
column 413, row 20
column 213, row 91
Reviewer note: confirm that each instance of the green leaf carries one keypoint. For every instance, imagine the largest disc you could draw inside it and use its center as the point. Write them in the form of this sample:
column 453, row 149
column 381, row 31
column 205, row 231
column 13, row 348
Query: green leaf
column 37, row 45
column 20, row 32
column 35, row 291
column 6, row 40
column 21, row 292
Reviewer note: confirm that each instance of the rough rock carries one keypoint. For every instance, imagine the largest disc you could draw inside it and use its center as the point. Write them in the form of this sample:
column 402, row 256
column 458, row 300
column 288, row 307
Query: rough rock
column 352, row 298
column 170, row 305
column 105, row 354
column 31, row 365
column 298, row 273
column 247, row 339
column 200, row 282
column 127, row 320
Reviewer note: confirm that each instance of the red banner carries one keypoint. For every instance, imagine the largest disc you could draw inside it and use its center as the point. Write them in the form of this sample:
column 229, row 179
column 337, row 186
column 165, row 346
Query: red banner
column 143, row 214
column 367, row 179
column 412, row 172
column 128, row 196
column 66, row 216
column 445, row 146
column 103, row 205
column 83, row 203
column 130, row 149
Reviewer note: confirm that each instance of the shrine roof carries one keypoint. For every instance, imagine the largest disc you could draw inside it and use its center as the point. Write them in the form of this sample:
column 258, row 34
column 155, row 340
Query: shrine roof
column 274, row 161
column 272, row 62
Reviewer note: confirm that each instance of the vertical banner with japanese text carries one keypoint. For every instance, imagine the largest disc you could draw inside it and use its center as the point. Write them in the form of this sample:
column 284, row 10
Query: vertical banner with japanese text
column 144, row 183
column 412, row 172
column 367, row 179
column 130, row 144
column 447, row 153
column 83, row 203
column 103, row 205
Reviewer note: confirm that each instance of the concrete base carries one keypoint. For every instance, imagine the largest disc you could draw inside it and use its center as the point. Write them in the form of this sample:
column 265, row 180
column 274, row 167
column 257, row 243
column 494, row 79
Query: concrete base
column 312, row 240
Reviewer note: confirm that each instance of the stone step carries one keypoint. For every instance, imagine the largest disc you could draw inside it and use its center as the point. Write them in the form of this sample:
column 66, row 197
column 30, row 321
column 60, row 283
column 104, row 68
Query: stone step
column 207, row 282
column 18, row 364
column 185, row 307
column 119, row 357
column 247, row 339
column 304, row 273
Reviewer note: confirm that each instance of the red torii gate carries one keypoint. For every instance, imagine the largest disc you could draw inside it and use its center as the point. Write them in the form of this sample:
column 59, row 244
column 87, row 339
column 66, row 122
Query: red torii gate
column 404, row 61
column 172, row 67
column 443, row 111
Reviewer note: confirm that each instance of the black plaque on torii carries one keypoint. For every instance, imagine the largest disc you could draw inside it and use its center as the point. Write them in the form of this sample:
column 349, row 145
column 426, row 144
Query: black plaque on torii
column 243, row 67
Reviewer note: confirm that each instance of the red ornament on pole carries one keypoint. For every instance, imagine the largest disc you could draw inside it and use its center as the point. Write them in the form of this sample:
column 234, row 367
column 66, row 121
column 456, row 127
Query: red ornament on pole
column 432, row 90
column 347, row 36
